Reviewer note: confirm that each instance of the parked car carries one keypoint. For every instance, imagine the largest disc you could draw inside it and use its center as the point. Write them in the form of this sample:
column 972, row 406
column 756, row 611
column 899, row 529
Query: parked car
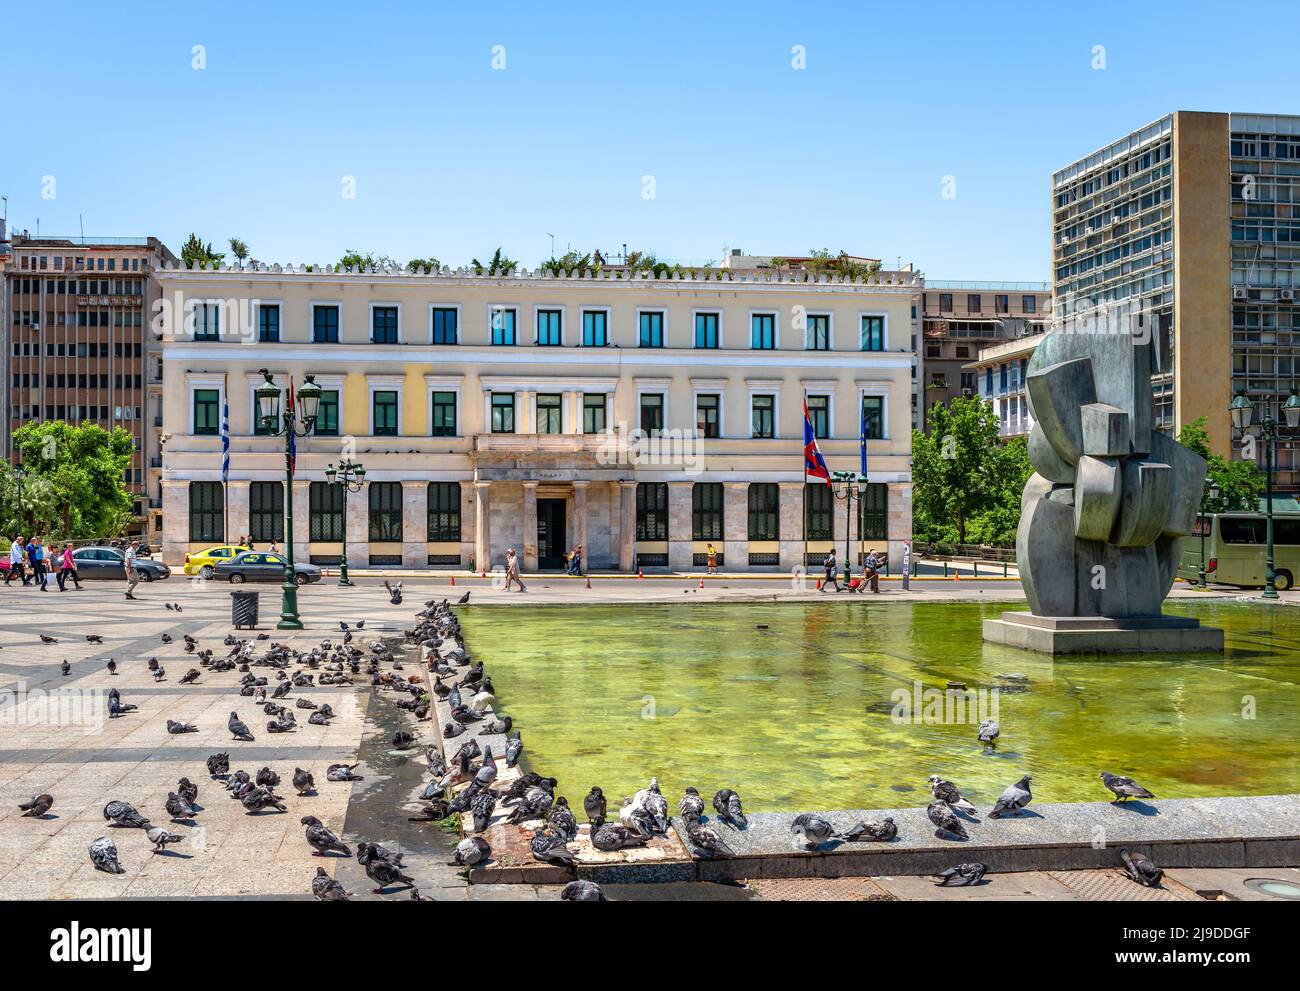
column 260, row 566
column 105, row 562
column 203, row 563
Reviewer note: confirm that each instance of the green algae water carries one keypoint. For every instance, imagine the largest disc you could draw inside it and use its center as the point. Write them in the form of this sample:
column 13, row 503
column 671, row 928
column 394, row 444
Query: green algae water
column 808, row 712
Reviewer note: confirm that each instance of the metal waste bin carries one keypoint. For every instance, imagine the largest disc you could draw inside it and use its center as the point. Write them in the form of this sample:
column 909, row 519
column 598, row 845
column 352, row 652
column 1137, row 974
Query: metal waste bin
column 243, row 610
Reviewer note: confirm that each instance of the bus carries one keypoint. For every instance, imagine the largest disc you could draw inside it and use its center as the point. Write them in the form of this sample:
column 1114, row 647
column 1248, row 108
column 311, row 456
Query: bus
column 1235, row 551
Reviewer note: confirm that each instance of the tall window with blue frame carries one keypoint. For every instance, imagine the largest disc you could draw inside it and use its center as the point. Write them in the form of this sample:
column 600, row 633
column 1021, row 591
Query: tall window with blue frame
column 443, row 324
column 325, row 324
column 385, row 414
column 595, row 328
column 706, row 330
column 873, row 414
column 444, row 414
column 651, row 329
column 383, row 325
column 327, row 415
column 503, row 412
column 819, row 414
column 818, row 334
column 873, row 333
column 504, row 322
column 268, row 323
column 762, row 331
column 207, row 414
column 549, row 328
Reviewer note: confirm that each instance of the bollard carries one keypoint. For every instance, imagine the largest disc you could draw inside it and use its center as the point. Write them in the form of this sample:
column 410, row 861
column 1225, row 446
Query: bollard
column 945, row 569
column 589, row 581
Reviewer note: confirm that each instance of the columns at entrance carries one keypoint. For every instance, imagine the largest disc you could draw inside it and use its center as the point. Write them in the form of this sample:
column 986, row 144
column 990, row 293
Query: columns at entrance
column 627, row 527
column 580, row 518
column 530, row 526
column 735, row 525
column 679, row 526
column 482, row 526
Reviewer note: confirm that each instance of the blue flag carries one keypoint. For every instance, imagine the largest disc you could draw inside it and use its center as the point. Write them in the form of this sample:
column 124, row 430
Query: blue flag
column 225, row 442
column 862, row 445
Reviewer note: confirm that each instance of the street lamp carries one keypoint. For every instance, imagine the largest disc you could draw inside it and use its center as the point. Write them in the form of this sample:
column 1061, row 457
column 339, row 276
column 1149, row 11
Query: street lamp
column 1242, row 411
column 268, row 408
column 848, row 495
column 1210, row 495
column 351, row 476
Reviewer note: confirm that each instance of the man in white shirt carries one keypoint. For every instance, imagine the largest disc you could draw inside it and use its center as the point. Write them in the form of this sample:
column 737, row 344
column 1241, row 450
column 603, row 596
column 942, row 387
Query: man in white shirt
column 17, row 555
column 132, row 575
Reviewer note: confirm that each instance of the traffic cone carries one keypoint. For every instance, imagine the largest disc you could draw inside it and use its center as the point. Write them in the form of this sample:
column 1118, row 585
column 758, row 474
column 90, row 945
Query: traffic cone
column 701, row 583
column 640, row 572
column 589, row 581
column 484, row 575
column 819, row 584
column 453, row 581
column 956, row 575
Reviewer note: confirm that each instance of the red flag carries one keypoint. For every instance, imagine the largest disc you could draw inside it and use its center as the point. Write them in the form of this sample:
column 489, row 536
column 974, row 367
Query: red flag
column 813, row 462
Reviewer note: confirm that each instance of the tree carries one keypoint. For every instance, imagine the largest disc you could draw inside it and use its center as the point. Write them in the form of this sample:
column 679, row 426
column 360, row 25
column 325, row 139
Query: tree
column 955, row 469
column 354, row 259
column 238, row 248
column 1240, row 483
column 997, row 525
column 195, row 252
column 74, row 486
column 429, row 264
column 500, row 265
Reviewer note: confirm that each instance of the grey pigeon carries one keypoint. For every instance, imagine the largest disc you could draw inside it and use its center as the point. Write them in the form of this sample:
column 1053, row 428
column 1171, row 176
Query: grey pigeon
column 187, row 790
column 582, row 891
column 481, row 809
column 125, row 814
column 1124, row 788
column 472, row 850
column 562, row 820
column 326, row 889
column 341, row 772
column 38, row 806
column 727, row 804
column 942, row 815
column 809, row 831
column 1015, row 798
column 989, row 731
column 238, row 729
column 218, row 764
column 103, row 854
column 178, row 807
column 159, row 837
column 691, row 807
column 594, row 804
column 1141, row 868
column 610, row 836
column 948, row 792
column 961, row 876
column 302, row 781
column 876, row 831
column 550, row 848
column 176, row 728
column 488, row 772
column 322, row 839
column 706, row 841
column 385, row 874
column 514, row 749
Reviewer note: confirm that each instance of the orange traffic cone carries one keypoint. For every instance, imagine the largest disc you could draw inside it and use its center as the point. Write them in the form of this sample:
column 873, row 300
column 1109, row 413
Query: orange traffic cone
column 701, row 583
column 956, row 575
column 819, row 584
column 640, row 572
column 453, row 581
column 484, row 575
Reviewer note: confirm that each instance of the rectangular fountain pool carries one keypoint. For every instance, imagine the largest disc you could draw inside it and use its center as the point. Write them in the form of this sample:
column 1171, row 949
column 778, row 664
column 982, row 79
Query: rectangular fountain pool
column 799, row 706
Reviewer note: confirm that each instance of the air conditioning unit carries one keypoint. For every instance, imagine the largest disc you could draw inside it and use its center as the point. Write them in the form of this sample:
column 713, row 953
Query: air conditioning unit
column 1286, row 295
column 1238, row 292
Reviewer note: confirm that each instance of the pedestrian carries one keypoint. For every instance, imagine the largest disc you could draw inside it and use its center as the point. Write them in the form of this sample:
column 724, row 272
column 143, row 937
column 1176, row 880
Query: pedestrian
column 713, row 559
column 68, row 566
column 829, row 572
column 17, row 554
column 132, row 574
column 36, row 558
column 273, row 549
column 575, row 561
column 512, row 570
column 871, row 570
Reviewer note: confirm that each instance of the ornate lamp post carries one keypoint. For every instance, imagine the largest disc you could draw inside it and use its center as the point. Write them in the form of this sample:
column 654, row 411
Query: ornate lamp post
column 1243, row 411
column 351, row 476
column 848, row 495
column 1203, row 524
column 268, row 407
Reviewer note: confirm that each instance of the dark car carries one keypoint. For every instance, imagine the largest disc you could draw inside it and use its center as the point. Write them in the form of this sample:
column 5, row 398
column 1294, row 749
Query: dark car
column 105, row 562
column 260, row 566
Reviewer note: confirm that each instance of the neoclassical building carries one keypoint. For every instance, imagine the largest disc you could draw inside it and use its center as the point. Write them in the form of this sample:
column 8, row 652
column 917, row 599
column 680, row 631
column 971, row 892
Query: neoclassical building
column 643, row 418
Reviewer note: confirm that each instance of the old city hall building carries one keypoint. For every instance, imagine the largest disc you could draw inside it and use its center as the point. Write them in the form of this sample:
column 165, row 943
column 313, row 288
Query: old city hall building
column 641, row 417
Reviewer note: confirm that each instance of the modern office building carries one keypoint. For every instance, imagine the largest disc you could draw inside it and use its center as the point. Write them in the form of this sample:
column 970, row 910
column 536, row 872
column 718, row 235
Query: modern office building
column 77, row 345
column 643, row 418
column 999, row 377
column 961, row 318
column 1188, row 229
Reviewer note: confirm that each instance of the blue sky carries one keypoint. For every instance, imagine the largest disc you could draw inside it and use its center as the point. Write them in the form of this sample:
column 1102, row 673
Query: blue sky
column 452, row 157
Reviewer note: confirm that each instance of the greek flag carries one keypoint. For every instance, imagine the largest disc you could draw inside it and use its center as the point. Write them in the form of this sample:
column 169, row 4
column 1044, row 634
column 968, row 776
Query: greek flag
column 225, row 442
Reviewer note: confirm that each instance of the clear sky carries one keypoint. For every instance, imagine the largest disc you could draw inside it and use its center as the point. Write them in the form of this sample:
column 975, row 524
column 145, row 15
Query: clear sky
column 451, row 156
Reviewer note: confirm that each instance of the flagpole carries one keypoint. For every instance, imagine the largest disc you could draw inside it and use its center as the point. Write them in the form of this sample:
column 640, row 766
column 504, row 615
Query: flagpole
column 804, row 497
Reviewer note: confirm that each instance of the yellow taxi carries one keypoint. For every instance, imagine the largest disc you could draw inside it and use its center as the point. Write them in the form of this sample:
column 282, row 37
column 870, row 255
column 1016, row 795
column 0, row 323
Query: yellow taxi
column 203, row 563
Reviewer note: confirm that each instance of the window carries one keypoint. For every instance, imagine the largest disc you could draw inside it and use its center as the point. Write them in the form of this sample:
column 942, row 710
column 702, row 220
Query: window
column 706, row 511
column 1001, row 303
column 764, row 511
column 652, row 413
column 973, row 303
column 873, row 417
column 504, row 319
column 945, row 302
column 444, row 414
column 593, row 412
column 385, row 512
column 385, row 414
column 762, row 331
column 325, row 324
column 444, row 512
column 763, row 415
column 819, row 412
column 550, row 416
column 1029, row 304
column 873, row 512
column 207, row 321
column 268, row 323
column 873, row 333
column 706, row 330
column 819, row 511
column 383, row 325
column 595, row 328
column 266, row 511
column 651, row 334
column 327, row 415
column 325, row 516
column 442, row 322
column 652, row 511
column 207, row 513
column 503, row 412
column 207, row 416
column 707, row 415
column 818, row 336
column 548, row 328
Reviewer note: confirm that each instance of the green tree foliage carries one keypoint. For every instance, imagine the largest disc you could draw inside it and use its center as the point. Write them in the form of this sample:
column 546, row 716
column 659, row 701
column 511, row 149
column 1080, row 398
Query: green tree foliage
column 500, row 265
column 429, row 264
column 195, row 252
column 355, row 259
column 75, row 480
column 1240, row 483
column 239, row 248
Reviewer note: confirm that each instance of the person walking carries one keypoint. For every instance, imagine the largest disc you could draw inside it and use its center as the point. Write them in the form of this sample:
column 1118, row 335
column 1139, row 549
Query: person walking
column 36, row 557
column 132, row 574
column 68, row 566
column 575, row 561
column 829, row 572
column 512, row 570
column 17, row 556
column 713, row 559
column 871, row 571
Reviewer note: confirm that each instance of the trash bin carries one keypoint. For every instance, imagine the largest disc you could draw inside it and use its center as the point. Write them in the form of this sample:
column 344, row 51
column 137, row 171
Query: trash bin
column 243, row 610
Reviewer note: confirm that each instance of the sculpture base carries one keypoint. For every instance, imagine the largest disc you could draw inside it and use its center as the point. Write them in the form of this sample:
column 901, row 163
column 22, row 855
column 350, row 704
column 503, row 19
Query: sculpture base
column 1100, row 635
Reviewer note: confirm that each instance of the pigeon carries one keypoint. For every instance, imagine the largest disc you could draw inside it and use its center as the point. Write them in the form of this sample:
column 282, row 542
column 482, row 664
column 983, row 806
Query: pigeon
column 481, row 809
column 1124, row 788
column 341, row 772
column 488, row 772
column 876, row 831
column 125, row 814
column 562, row 820
column 1015, row 798
column 706, row 841
column 582, row 891
column 218, row 764
column 112, row 666
column 267, row 778
column 45, row 639
column 258, row 798
column 187, row 790
column 322, row 839
column 691, row 807
column 190, row 676
column 302, row 781
column 948, row 792
column 610, row 836
column 326, row 889
column 103, row 854
column 65, row 667
column 159, row 837
column 961, row 876
column 463, row 600
column 594, row 804
column 472, row 850
column 370, row 850
column 989, row 731
column 94, row 638
column 1140, row 868
column 238, row 729
column 38, row 806
column 809, row 831
column 179, row 807
column 942, row 815
column 435, row 811
column 174, row 727
column 385, row 874
column 394, row 593
column 402, row 739
column 514, row 749
column 550, row 848
column 727, row 804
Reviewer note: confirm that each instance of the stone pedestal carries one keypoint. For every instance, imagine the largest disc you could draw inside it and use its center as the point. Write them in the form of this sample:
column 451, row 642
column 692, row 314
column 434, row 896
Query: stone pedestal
column 1100, row 635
